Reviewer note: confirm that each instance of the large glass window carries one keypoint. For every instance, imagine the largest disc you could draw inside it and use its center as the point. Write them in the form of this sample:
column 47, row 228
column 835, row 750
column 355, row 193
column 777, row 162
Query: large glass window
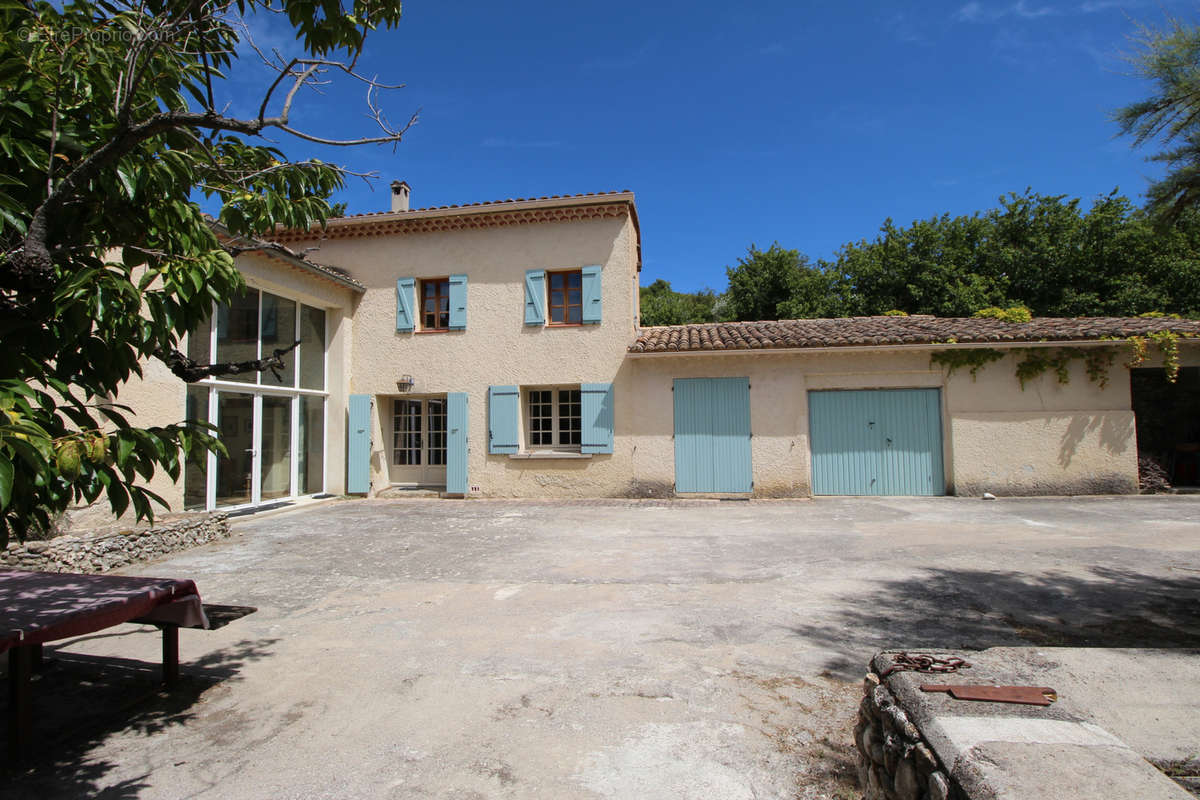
column 312, row 444
column 195, row 470
column 275, row 434
column 237, row 334
column 279, row 333
column 235, row 470
column 312, row 348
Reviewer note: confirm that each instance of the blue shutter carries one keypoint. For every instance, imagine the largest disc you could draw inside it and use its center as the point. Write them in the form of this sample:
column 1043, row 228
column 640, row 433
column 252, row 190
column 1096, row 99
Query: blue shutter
column 535, row 297
column 596, row 402
column 591, row 295
column 458, row 302
column 504, row 406
column 358, row 451
column 456, row 443
column 404, row 304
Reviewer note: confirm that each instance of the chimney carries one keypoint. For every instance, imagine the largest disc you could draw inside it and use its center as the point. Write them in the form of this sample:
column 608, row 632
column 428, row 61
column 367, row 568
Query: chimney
column 400, row 192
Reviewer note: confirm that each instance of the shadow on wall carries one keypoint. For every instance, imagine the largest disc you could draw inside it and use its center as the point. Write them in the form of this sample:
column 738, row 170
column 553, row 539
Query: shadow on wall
column 1115, row 437
column 80, row 701
column 950, row 609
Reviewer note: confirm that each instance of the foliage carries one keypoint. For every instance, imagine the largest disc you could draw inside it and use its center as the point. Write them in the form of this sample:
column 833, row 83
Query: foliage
column 1014, row 314
column 1045, row 254
column 776, row 284
column 975, row 359
column 895, row 312
column 1034, row 361
column 1170, row 59
column 662, row 305
column 110, row 119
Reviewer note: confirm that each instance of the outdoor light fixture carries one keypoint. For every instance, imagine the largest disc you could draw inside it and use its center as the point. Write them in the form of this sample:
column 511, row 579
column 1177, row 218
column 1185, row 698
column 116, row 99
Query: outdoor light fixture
column 405, row 383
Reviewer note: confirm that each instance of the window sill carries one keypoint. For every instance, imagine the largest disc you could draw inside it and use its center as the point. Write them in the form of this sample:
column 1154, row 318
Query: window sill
column 549, row 454
column 424, row 331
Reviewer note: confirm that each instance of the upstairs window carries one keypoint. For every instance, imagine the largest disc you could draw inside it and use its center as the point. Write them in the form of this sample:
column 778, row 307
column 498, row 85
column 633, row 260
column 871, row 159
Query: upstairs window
column 435, row 304
column 566, row 297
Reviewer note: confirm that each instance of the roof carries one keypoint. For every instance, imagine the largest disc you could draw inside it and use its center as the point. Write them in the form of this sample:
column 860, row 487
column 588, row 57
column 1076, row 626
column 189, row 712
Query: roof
column 893, row 331
column 285, row 255
column 487, row 214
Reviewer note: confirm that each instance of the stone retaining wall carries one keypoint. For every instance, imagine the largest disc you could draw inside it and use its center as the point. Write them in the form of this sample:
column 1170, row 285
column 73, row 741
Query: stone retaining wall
column 894, row 761
column 102, row 551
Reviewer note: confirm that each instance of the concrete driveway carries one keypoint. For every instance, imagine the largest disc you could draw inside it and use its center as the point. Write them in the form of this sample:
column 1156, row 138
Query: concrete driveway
column 608, row 649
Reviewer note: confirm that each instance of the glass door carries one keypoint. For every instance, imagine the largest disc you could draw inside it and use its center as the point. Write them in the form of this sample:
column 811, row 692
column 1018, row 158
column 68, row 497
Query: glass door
column 235, row 469
column 275, row 459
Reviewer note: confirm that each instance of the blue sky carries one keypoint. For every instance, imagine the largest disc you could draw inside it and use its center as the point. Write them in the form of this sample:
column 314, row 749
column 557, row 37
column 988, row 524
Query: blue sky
column 804, row 123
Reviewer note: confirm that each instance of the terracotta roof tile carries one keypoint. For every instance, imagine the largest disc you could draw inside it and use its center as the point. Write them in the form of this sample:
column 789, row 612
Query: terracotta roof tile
column 881, row 331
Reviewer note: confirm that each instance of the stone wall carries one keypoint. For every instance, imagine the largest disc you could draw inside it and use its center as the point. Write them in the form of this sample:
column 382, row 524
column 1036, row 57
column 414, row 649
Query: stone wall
column 894, row 761
column 102, row 551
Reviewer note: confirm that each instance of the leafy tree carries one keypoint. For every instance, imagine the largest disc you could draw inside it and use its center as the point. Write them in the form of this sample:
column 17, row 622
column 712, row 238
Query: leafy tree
column 662, row 305
column 111, row 117
column 1040, row 251
column 775, row 283
column 1170, row 59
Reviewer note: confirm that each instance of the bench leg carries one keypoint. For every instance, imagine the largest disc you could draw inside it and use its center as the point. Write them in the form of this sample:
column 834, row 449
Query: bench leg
column 20, row 708
column 170, row 654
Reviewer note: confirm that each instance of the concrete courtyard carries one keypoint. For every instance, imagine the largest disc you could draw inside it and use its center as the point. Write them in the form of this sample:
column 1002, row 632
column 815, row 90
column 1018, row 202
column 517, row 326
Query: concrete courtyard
column 606, row 649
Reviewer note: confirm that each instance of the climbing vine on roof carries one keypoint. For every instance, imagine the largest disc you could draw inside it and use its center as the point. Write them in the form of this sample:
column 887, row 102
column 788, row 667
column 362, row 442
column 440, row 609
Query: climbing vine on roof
column 1033, row 362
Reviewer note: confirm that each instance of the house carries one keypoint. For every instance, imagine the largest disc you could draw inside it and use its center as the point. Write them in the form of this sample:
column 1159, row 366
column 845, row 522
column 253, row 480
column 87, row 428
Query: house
column 493, row 349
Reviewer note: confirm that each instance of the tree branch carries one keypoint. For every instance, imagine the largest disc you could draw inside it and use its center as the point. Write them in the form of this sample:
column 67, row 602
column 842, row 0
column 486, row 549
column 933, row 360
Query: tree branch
column 189, row 371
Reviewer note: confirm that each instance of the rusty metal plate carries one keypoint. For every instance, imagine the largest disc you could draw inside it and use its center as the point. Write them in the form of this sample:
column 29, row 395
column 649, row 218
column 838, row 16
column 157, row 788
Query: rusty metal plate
column 1021, row 695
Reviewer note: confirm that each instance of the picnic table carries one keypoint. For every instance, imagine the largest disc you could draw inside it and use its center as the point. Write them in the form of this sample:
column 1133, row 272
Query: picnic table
column 39, row 607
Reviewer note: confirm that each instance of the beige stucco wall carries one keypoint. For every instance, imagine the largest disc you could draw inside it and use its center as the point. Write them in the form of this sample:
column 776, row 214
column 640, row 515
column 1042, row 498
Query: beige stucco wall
column 1047, row 438
column 496, row 348
column 159, row 398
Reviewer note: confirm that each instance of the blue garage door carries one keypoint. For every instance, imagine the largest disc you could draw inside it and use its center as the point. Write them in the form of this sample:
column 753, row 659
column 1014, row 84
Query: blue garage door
column 712, row 435
column 876, row 442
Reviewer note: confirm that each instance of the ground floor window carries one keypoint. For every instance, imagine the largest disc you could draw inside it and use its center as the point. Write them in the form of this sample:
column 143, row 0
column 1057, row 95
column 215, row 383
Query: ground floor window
column 553, row 418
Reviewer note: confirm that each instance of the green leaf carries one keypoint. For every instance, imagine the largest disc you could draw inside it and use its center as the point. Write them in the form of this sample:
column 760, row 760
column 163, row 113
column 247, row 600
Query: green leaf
column 6, row 481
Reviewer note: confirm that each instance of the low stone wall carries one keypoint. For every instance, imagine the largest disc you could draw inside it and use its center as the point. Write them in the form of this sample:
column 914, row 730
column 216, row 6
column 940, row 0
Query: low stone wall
column 894, row 761
column 102, row 551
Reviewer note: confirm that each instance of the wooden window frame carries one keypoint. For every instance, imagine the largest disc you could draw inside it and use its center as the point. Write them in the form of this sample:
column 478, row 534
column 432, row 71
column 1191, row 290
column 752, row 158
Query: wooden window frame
column 564, row 305
column 442, row 283
column 557, row 429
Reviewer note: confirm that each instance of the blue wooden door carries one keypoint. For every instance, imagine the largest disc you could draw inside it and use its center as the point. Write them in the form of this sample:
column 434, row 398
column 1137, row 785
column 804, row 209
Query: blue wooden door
column 876, row 442
column 712, row 435
column 358, row 446
column 456, row 443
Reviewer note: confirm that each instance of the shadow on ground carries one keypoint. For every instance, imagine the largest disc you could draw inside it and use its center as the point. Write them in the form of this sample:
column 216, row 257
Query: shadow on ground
column 952, row 609
column 82, row 700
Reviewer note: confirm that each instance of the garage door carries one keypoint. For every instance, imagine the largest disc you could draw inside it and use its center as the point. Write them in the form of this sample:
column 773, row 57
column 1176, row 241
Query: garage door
column 876, row 442
column 712, row 435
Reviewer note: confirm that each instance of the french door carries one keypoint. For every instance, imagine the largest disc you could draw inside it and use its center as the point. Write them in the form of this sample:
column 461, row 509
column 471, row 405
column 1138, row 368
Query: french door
column 418, row 442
